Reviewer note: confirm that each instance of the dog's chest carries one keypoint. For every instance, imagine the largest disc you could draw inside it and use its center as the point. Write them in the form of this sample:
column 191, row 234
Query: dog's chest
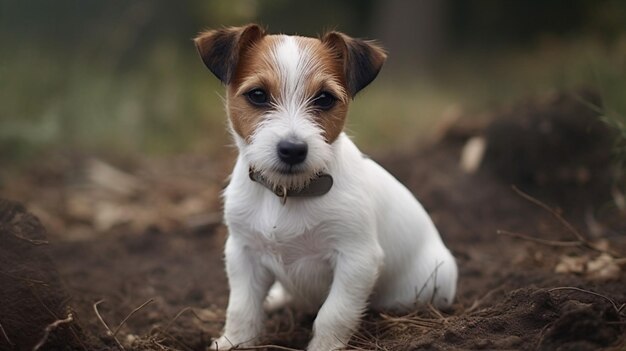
column 289, row 249
column 303, row 264
column 287, row 233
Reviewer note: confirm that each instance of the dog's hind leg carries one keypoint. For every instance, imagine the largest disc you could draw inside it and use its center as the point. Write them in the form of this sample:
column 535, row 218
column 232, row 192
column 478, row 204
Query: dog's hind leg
column 277, row 298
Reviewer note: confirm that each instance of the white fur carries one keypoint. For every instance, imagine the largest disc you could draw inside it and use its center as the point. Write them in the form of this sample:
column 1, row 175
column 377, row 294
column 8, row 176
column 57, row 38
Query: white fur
column 289, row 119
column 368, row 239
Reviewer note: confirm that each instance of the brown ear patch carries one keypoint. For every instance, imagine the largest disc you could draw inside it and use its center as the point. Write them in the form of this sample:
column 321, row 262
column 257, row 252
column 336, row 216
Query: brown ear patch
column 220, row 49
column 362, row 59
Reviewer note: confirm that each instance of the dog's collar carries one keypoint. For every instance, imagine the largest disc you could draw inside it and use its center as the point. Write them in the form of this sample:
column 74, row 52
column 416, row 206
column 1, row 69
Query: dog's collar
column 317, row 186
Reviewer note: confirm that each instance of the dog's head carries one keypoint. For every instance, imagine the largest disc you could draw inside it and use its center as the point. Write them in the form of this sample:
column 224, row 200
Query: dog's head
column 288, row 96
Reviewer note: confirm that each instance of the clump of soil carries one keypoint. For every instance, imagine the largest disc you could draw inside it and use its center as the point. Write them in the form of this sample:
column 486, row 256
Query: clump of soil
column 509, row 295
column 34, row 308
column 557, row 145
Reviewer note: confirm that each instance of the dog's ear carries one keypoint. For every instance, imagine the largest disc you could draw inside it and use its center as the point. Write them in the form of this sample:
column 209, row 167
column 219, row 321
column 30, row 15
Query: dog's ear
column 220, row 49
column 361, row 59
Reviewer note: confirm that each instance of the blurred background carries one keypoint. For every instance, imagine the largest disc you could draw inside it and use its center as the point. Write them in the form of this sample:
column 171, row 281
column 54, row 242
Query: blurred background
column 123, row 77
column 113, row 134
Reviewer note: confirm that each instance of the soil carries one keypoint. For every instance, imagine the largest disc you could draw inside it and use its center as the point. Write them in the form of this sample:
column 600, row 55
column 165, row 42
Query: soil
column 513, row 293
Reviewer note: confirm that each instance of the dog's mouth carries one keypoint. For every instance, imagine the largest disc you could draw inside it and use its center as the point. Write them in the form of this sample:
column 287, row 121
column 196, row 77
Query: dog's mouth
column 291, row 177
column 289, row 170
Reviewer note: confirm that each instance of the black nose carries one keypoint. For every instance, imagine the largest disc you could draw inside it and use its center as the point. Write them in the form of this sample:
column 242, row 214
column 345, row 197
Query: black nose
column 292, row 152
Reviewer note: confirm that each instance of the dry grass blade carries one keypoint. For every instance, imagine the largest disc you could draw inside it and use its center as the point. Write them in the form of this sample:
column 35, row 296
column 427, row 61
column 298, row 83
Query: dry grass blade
column 106, row 326
column 539, row 240
column 542, row 335
column 269, row 346
column 50, row 328
column 554, row 213
column 131, row 314
column 172, row 338
column 413, row 320
column 611, row 301
column 477, row 303
column 6, row 337
column 181, row 312
column 27, row 280
column 436, row 312
column 153, row 342
column 578, row 235
column 52, row 314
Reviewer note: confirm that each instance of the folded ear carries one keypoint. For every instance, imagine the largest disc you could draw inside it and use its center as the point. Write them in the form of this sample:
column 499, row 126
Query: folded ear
column 220, row 49
column 362, row 59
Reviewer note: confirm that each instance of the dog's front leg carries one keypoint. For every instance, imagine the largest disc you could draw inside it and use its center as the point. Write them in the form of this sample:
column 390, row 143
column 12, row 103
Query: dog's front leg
column 249, row 283
column 354, row 277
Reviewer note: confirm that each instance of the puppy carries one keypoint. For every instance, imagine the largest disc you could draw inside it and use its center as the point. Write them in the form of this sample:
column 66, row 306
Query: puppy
column 310, row 216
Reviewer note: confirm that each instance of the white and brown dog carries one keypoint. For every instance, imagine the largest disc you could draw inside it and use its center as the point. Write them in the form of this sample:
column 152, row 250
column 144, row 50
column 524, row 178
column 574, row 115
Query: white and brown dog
column 308, row 215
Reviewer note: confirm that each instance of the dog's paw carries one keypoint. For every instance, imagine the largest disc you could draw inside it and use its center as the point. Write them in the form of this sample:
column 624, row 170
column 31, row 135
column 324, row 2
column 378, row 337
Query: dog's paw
column 225, row 343
column 318, row 344
column 276, row 299
column 221, row 343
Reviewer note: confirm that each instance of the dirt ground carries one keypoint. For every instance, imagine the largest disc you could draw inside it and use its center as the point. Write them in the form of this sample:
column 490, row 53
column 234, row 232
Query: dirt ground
column 154, row 266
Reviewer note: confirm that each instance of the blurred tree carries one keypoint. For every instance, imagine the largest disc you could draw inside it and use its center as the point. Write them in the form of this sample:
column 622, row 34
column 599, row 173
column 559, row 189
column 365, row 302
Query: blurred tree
column 313, row 18
column 414, row 32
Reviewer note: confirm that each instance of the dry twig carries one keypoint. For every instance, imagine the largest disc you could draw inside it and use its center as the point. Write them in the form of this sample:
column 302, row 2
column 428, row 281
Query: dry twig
column 436, row 312
column 106, row 326
column 56, row 317
column 50, row 328
column 433, row 275
column 365, row 343
column 477, row 303
column 539, row 240
column 181, row 312
column 611, row 301
column 27, row 280
column 6, row 337
column 172, row 338
column 542, row 334
column 261, row 347
column 131, row 314
column 554, row 213
column 32, row 241
column 581, row 240
column 412, row 320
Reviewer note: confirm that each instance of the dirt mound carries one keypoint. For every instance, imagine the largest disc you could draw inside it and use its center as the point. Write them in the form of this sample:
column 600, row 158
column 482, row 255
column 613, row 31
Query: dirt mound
column 34, row 311
column 557, row 145
column 534, row 319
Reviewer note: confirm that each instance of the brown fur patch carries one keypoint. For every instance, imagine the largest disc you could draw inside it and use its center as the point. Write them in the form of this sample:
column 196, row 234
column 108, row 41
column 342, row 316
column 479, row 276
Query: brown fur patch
column 244, row 59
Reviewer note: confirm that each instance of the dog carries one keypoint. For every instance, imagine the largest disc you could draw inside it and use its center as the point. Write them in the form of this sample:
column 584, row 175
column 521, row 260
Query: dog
column 311, row 220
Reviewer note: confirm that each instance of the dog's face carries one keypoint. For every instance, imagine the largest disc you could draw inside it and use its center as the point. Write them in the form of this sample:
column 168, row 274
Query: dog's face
column 288, row 96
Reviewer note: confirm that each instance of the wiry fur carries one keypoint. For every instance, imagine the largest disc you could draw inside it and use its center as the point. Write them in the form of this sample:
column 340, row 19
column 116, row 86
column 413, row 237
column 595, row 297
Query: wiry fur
column 367, row 239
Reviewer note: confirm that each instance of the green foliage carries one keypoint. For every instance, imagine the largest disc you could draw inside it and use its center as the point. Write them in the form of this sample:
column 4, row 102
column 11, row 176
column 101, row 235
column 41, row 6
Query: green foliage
column 609, row 79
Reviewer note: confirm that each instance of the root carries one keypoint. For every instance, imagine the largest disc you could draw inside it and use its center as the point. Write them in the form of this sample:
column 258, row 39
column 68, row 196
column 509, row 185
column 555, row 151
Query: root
column 35, row 242
column 50, row 328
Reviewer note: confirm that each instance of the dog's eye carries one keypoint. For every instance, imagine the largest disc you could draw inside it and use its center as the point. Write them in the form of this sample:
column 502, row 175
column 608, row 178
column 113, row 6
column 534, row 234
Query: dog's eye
column 258, row 97
column 324, row 101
